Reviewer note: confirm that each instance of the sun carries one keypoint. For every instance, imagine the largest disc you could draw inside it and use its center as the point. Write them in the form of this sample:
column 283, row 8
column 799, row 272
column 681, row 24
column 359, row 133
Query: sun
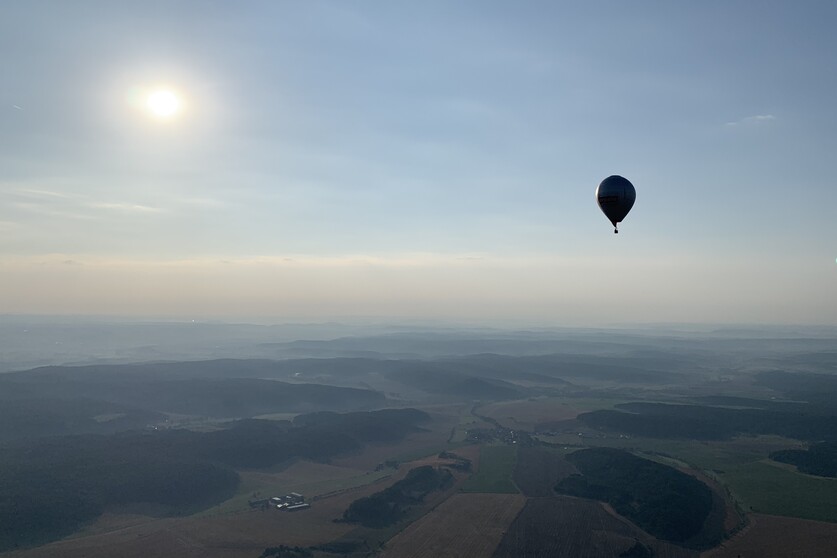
column 163, row 104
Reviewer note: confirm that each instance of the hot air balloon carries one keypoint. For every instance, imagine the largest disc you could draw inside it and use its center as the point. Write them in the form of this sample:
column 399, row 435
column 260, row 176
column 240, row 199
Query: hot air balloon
column 616, row 196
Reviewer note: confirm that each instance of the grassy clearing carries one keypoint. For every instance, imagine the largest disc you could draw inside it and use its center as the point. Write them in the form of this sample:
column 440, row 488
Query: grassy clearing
column 496, row 470
column 719, row 456
column 772, row 489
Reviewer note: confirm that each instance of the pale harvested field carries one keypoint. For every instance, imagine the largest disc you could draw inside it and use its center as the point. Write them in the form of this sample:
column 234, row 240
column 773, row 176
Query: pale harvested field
column 464, row 526
column 770, row 536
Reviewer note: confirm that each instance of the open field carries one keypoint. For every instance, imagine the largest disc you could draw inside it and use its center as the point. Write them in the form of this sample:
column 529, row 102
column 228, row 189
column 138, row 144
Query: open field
column 566, row 526
column 465, row 525
column 495, row 473
column 717, row 456
column 766, row 487
column 770, row 536
column 539, row 469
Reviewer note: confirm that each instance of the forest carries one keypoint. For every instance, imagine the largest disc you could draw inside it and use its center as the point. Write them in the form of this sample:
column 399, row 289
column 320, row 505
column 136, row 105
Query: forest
column 819, row 459
column 52, row 486
column 698, row 422
column 666, row 503
column 388, row 506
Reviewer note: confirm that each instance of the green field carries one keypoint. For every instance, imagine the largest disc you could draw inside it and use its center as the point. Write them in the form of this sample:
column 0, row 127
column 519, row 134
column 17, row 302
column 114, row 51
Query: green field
column 765, row 487
column 713, row 456
column 742, row 465
column 495, row 472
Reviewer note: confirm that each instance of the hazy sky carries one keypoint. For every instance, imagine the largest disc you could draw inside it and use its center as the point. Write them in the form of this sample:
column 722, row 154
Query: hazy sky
column 420, row 159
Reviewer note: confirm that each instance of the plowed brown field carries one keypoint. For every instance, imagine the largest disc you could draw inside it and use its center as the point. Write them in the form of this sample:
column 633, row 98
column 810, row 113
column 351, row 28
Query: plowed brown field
column 464, row 526
column 770, row 536
column 566, row 526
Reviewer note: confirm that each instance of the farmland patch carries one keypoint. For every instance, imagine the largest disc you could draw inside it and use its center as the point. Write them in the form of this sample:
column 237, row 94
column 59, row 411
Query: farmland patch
column 770, row 536
column 770, row 488
column 496, row 469
column 566, row 526
column 538, row 470
column 465, row 525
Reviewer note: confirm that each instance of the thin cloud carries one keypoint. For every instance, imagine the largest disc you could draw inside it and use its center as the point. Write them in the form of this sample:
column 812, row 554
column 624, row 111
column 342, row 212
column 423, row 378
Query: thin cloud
column 49, row 210
column 131, row 207
column 32, row 192
column 201, row 202
column 752, row 120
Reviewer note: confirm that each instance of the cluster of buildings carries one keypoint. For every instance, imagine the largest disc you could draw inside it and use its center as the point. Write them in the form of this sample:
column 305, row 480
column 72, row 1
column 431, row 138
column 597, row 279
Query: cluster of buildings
column 501, row 434
column 290, row 502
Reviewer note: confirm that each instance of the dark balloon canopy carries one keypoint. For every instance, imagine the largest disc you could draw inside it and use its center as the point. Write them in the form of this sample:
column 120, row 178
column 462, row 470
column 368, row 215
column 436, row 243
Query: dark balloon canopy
column 616, row 196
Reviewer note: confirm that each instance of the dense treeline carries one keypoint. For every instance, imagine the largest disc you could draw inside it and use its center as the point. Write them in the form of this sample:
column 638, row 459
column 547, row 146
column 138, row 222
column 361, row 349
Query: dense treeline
column 437, row 379
column 37, row 418
column 818, row 389
column 659, row 420
column 255, row 443
column 388, row 506
column 666, row 503
column 210, row 396
column 49, row 487
column 820, row 459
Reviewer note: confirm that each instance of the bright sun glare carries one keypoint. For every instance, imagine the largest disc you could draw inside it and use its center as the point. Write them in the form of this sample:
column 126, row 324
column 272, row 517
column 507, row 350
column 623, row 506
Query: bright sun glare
column 163, row 103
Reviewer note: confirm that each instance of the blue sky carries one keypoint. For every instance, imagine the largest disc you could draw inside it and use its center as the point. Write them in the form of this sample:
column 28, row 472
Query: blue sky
column 420, row 159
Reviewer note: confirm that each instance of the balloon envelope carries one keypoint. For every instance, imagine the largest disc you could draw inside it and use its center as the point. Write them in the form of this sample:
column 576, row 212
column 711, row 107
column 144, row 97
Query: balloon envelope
column 616, row 196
